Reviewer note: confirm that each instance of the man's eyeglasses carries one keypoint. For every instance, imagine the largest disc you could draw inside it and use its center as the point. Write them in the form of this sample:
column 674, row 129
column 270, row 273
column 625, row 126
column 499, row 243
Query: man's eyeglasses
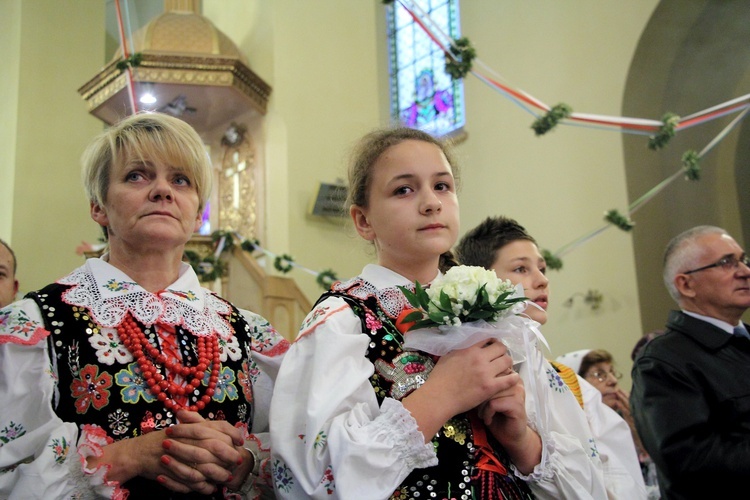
column 602, row 376
column 727, row 263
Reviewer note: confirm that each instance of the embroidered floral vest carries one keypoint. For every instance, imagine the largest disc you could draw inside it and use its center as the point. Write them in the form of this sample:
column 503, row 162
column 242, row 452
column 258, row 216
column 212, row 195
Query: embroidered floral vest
column 397, row 374
column 99, row 384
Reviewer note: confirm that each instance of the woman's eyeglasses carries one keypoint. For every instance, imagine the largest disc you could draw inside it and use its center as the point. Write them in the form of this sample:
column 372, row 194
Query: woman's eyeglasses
column 727, row 263
column 602, row 376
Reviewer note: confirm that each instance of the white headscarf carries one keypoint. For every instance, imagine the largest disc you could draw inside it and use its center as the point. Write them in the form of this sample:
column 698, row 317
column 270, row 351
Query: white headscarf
column 573, row 359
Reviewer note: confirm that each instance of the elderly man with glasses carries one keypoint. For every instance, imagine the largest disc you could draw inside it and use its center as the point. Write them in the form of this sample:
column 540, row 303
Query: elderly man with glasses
column 691, row 385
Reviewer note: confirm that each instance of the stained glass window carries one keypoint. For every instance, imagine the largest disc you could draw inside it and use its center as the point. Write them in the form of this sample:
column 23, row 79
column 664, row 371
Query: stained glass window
column 423, row 95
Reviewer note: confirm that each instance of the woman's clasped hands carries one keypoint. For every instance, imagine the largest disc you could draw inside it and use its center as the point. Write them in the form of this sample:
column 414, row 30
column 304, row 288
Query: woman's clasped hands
column 199, row 455
column 194, row 455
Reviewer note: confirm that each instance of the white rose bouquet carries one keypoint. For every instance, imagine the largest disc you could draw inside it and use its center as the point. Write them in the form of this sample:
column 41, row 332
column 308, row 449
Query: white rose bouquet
column 465, row 305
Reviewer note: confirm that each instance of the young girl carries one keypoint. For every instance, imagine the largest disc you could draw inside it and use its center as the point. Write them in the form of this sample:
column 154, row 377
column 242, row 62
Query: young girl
column 503, row 245
column 355, row 416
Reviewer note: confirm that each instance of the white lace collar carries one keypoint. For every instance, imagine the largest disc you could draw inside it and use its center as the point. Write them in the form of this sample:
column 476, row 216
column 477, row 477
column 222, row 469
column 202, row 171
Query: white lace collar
column 381, row 282
column 109, row 294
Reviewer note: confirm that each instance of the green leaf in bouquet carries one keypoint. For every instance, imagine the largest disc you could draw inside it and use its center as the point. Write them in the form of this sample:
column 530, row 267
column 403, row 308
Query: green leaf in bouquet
column 415, row 315
column 445, row 302
column 438, row 317
column 424, row 323
column 410, row 296
column 482, row 296
column 424, row 299
column 481, row 314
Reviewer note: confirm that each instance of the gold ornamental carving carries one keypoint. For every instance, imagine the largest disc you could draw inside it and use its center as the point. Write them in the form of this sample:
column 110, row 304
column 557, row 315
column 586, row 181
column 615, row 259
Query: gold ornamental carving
column 237, row 186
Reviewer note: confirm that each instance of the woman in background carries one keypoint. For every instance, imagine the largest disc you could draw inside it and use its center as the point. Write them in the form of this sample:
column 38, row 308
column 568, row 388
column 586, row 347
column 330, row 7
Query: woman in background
column 596, row 366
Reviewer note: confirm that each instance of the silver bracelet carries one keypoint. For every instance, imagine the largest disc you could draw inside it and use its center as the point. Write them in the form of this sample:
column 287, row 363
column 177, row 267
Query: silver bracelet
column 249, row 485
column 256, row 461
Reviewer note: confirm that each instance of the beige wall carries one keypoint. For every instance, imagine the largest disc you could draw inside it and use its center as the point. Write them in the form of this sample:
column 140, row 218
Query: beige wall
column 558, row 185
column 10, row 34
column 59, row 47
column 325, row 62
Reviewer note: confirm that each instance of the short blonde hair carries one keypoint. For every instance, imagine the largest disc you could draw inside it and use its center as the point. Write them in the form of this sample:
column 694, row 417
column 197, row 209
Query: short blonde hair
column 150, row 137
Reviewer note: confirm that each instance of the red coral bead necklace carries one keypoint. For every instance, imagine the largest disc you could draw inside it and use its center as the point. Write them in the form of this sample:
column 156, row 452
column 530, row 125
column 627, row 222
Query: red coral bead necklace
column 148, row 357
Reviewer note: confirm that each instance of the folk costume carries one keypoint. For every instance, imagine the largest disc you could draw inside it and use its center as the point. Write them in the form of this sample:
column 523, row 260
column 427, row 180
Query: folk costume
column 622, row 470
column 340, row 430
column 95, row 358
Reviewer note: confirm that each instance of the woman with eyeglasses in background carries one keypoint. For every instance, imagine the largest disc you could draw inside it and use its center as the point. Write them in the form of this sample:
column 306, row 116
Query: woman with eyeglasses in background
column 597, row 367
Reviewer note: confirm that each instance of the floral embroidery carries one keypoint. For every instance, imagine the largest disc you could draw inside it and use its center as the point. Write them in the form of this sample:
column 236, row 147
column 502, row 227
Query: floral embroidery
column 19, row 328
column 372, row 322
column 555, row 382
column 60, row 449
column 319, row 312
column 73, row 362
column 594, row 450
column 225, row 387
column 156, row 422
column 119, row 286
column 229, row 347
column 91, row 389
column 242, row 412
column 320, row 440
column 327, row 480
column 245, row 377
column 189, row 295
column 281, row 476
column 11, row 432
column 118, row 422
column 133, row 385
column 109, row 348
column 407, row 373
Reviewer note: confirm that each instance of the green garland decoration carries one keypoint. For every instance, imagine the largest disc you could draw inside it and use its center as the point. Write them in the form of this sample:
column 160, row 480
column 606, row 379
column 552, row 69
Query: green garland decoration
column 207, row 269
column 211, row 268
column 250, row 245
column 326, row 278
column 553, row 263
column 134, row 60
column 283, row 263
column 228, row 236
column 460, row 64
column 691, row 164
column 592, row 298
column 666, row 131
column 193, row 259
column 545, row 123
column 615, row 218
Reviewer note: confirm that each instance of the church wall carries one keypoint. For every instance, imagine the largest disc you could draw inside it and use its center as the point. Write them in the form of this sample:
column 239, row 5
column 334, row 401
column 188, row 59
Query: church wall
column 60, row 48
column 326, row 64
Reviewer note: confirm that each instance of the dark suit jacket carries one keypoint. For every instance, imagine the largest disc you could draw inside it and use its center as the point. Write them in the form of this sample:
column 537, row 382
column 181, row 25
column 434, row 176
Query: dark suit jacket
column 691, row 404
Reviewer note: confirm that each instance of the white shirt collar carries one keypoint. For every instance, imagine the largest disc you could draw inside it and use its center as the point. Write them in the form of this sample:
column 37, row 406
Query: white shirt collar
column 708, row 319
